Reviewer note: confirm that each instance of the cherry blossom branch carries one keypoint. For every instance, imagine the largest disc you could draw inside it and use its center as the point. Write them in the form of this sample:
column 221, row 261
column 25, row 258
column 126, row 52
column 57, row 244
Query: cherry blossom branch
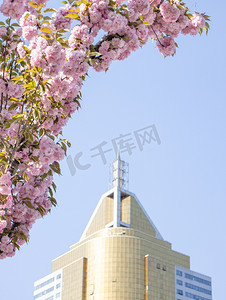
column 157, row 36
column 40, row 88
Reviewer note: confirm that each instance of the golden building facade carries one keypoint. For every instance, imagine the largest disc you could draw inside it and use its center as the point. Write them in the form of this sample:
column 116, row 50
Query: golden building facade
column 120, row 256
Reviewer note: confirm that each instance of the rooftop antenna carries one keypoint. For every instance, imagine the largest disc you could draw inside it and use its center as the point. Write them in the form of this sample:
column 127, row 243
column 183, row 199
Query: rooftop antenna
column 119, row 173
column 119, row 181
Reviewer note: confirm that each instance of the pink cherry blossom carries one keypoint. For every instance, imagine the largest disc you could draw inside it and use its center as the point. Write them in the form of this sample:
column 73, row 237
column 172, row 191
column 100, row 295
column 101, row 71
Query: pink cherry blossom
column 59, row 20
column 42, row 89
column 3, row 224
column 13, row 9
column 3, row 31
column 195, row 24
column 20, row 49
column 166, row 46
column 198, row 21
column 29, row 32
column 169, row 12
column 28, row 20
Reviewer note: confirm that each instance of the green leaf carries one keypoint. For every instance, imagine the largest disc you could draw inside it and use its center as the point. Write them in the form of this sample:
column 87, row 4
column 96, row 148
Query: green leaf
column 63, row 30
column 54, row 186
column 73, row 16
column 15, row 239
column 16, row 245
column 28, row 204
column 46, row 30
column 9, row 122
column 79, row 105
column 64, row 147
column 33, row 4
column 66, row 141
column 41, row 131
column 30, row 85
column 53, row 200
column 2, row 23
column 26, row 177
column 18, row 78
column 50, row 10
column 14, row 100
column 23, row 236
column 36, row 114
column 5, row 218
column 15, row 25
column 13, row 106
column 42, row 210
column 52, row 137
column 94, row 53
column 18, row 116
column 65, row 45
column 56, row 167
column 46, row 18
column 50, row 191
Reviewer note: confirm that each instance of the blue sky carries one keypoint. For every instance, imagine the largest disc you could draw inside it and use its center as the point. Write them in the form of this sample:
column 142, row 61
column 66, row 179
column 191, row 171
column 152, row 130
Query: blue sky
column 181, row 182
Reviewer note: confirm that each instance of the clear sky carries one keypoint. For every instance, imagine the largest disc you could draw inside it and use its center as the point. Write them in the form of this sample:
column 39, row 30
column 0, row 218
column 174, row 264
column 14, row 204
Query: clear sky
column 180, row 182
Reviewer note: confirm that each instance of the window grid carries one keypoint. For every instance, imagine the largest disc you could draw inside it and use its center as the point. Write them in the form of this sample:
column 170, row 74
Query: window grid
column 197, row 288
column 192, row 296
column 198, row 279
column 44, row 283
column 44, row 292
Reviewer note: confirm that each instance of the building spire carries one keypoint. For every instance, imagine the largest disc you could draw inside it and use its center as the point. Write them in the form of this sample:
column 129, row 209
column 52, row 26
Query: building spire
column 118, row 155
column 119, row 173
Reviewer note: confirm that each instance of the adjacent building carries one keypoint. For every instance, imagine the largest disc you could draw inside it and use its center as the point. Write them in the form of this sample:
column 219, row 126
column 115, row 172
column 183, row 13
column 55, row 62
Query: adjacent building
column 122, row 256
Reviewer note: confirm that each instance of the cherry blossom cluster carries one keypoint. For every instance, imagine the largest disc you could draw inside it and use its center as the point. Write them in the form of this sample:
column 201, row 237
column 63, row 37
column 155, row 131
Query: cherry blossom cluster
column 45, row 59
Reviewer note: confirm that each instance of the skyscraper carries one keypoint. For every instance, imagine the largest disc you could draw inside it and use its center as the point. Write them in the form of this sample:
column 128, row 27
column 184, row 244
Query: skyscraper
column 122, row 256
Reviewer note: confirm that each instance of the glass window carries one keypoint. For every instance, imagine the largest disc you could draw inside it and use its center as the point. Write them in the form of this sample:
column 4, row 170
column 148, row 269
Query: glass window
column 198, row 288
column 49, row 298
column 179, row 273
column 58, row 276
column 44, row 283
column 198, row 279
column 179, row 292
column 44, row 292
column 192, row 296
column 179, row 282
column 57, row 295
